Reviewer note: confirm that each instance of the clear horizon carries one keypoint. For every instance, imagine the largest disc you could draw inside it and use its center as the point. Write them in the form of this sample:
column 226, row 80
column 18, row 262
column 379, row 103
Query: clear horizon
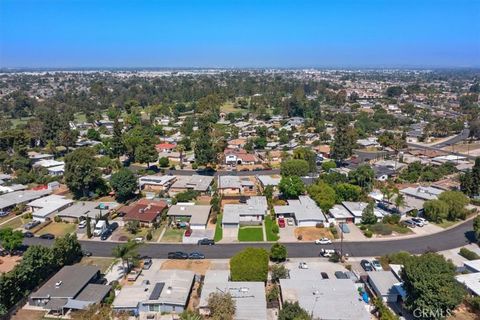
column 369, row 34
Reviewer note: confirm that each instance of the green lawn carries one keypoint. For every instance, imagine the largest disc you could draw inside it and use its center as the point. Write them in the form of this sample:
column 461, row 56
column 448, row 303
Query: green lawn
column 58, row 229
column 173, row 235
column 250, row 234
column 218, row 229
column 15, row 223
column 269, row 223
column 446, row 223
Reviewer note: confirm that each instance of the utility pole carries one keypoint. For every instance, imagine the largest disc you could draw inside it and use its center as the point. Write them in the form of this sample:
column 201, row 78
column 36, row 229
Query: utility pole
column 341, row 241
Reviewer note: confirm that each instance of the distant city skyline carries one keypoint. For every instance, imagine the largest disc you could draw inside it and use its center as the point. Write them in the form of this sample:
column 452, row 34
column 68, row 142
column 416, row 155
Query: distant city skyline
column 239, row 34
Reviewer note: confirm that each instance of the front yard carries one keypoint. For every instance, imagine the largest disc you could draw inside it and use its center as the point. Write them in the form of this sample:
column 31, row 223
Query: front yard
column 270, row 225
column 218, row 229
column 102, row 262
column 173, row 235
column 250, row 233
column 14, row 223
column 312, row 233
column 58, row 229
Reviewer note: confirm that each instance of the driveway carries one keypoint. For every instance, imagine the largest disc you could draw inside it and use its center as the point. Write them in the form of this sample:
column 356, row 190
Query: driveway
column 427, row 229
column 287, row 234
column 230, row 235
column 355, row 233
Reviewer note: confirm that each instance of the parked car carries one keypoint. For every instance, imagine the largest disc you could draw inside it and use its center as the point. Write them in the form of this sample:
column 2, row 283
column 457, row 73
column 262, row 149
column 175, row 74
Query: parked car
column 303, row 265
column 281, row 222
column 32, row 224
column 48, row 236
column 113, row 226
column 3, row 213
column 196, row 255
column 326, row 253
column 425, row 221
column 138, row 239
column 105, row 234
column 323, row 241
column 177, row 255
column 290, row 222
column 376, row 265
column 340, row 275
column 82, row 224
column 206, row 242
column 367, row 266
column 188, row 232
column 324, row 275
column 86, row 253
column 243, row 199
column 28, row 234
column 147, row 263
column 409, row 223
column 418, row 222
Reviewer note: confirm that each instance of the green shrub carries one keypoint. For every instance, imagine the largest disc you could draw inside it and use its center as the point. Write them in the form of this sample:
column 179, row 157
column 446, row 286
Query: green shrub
column 275, row 228
column 368, row 233
column 57, row 219
column 381, row 228
column 468, row 254
column 149, row 235
column 474, row 303
column 391, row 219
column 363, row 228
column 250, row 264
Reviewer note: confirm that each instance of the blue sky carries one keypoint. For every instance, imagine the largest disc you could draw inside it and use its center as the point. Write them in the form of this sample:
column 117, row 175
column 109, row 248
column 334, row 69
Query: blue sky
column 268, row 33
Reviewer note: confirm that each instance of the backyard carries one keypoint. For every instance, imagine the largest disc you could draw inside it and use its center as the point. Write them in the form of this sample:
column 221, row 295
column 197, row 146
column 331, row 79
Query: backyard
column 250, row 233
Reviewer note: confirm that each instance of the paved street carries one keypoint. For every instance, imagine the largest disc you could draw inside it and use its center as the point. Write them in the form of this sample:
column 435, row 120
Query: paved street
column 451, row 238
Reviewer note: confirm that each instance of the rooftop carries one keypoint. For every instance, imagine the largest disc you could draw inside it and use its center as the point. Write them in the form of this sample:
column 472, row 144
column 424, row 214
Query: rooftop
column 49, row 204
column 195, row 182
column 424, row 193
column 87, row 208
column 269, row 180
column 304, row 209
column 256, row 205
column 198, row 213
column 144, row 210
column 13, row 198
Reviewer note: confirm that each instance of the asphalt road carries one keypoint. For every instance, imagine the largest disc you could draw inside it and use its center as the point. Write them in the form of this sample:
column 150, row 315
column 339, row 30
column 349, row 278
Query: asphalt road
column 449, row 239
column 222, row 172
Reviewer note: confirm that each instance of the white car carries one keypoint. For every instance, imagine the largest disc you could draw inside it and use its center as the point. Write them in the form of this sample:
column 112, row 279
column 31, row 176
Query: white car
column 303, row 265
column 323, row 241
column 424, row 221
column 82, row 224
column 376, row 265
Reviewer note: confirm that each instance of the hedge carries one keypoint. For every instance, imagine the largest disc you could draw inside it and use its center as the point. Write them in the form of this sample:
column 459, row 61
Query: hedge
column 250, row 264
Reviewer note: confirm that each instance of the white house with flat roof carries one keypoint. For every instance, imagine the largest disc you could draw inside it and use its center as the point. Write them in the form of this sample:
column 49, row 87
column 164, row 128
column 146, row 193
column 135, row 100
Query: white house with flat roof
column 304, row 210
column 45, row 207
column 249, row 297
column 197, row 215
column 252, row 212
column 156, row 182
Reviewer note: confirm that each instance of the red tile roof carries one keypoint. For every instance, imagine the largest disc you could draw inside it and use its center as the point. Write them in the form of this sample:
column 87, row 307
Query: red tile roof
column 143, row 210
column 165, row 146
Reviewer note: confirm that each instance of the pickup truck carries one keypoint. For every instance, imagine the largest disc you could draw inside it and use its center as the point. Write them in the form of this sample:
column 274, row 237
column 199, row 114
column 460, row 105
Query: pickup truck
column 133, row 275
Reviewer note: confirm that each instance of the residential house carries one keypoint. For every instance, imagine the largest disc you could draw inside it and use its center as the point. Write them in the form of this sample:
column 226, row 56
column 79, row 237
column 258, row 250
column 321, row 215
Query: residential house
column 165, row 147
column 416, row 196
column 240, row 157
column 386, row 285
column 84, row 209
column 164, row 291
column 251, row 213
column 12, row 188
column 71, row 288
column 234, row 185
column 339, row 214
column 194, row 182
column 328, row 299
column 269, row 180
column 249, row 297
column 305, row 212
column 54, row 168
column 471, row 280
column 145, row 211
column 45, row 207
column 156, row 182
column 9, row 200
column 196, row 215
column 356, row 210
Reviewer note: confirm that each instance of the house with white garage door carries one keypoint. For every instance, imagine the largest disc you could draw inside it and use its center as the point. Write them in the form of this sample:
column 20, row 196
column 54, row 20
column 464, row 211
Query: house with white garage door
column 304, row 210
column 250, row 213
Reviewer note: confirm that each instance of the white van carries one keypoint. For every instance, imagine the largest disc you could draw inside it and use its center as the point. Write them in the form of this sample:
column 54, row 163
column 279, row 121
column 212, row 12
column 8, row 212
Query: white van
column 99, row 228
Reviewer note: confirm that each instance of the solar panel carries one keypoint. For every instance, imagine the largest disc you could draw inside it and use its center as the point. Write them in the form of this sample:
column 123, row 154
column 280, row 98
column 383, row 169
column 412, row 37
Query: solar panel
column 157, row 291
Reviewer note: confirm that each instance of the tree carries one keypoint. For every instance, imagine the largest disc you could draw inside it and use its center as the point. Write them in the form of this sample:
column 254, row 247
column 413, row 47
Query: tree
column 363, row 176
column 308, row 155
column 476, row 227
column 430, row 285
column 124, row 184
column 221, row 306
column 294, row 167
column 250, row 264
column 345, row 138
column 348, row 192
column 132, row 226
column 278, row 252
column 89, row 227
column 456, row 202
column 435, row 210
column 117, row 146
column 383, row 311
column 323, row 194
column 93, row 134
column 291, row 186
column 399, row 201
column 81, row 174
column 368, row 214
column 127, row 253
column 328, row 165
column 163, row 162
column 146, row 153
column 470, row 181
column 394, row 91
column 278, row 271
column 293, row 311
column 10, row 240
column 67, row 250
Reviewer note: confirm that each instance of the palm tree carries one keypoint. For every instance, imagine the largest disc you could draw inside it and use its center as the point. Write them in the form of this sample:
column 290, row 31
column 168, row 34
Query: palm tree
column 181, row 149
column 126, row 252
column 399, row 201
